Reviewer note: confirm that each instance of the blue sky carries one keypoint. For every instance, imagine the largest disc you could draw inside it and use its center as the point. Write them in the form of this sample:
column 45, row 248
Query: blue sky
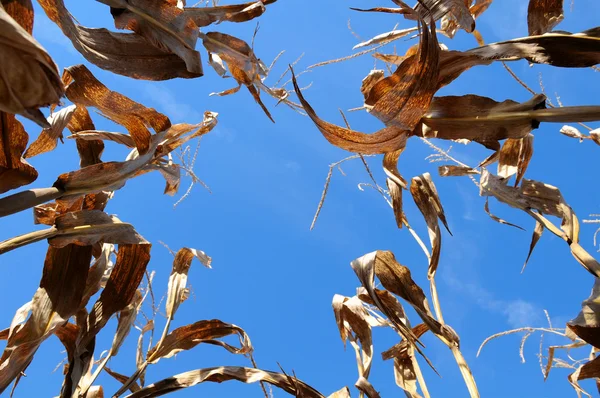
column 274, row 277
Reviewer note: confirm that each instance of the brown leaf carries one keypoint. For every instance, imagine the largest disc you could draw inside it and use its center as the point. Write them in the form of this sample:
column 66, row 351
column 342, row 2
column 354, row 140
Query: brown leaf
column 385, row 140
column 397, row 278
column 89, row 151
column 81, row 228
column 364, row 386
column 243, row 65
column 165, row 26
column 353, row 323
column 126, row 54
column 21, row 11
column 364, row 267
column 55, row 301
column 225, row 373
column 14, row 170
column 48, row 138
column 537, row 234
column 437, row 9
column 405, row 364
column 403, row 98
column 395, row 183
column 122, row 379
column 84, row 89
column 587, row 324
column 480, row 119
column 29, row 77
column 204, row 16
column 562, row 49
column 108, row 176
column 514, row 157
column 179, row 274
column 189, row 336
column 427, row 200
column 544, row 15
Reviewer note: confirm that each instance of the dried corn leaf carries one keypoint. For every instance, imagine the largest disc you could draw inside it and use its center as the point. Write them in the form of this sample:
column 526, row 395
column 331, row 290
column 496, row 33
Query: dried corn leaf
column 14, row 170
column 191, row 378
column 544, row 15
column 456, row 171
column 122, row 379
column 21, row 11
column 204, row 16
column 546, row 199
column 89, row 151
column 437, row 9
column 537, row 234
column 427, row 200
column 397, row 279
column 99, row 273
column 126, row 54
column 108, row 176
column 342, row 393
column 579, row 50
column 385, row 140
column 98, row 135
column 81, row 228
column 178, row 279
column 385, row 38
column 572, row 132
column 84, row 89
column 121, row 286
column 364, row 267
column 395, row 183
column 370, row 80
column 56, row 300
column 189, row 336
column 48, row 138
column 364, row 386
column 595, row 135
column 165, row 26
column 403, row 98
column 125, row 319
column 514, row 157
column 243, row 65
column 405, row 364
column 29, row 77
column 587, row 324
column 119, row 292
column 353, row 323
column 480, row 119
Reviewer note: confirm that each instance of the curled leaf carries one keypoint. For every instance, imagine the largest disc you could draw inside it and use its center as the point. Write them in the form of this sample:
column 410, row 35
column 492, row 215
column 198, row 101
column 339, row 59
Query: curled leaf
column 29, row 78
column 165, row 26
column 48, row 138
column 225, row 373
column 204, row 16
column 84, row 89
column 385, row 140
column 126, row 54
column 544, row 15
column 14, row 170
column 189, row 336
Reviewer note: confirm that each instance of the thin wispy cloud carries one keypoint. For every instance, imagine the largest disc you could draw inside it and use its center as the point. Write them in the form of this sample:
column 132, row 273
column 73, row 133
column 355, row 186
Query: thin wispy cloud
column 167, row 103
column 517, row 312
